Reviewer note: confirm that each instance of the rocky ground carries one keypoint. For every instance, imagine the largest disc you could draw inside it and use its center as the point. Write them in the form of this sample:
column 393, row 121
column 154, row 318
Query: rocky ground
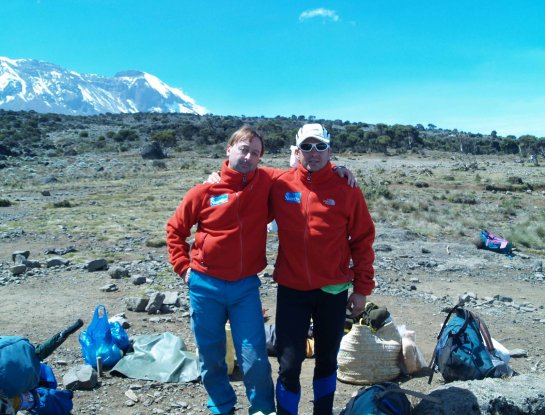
column 418, row 278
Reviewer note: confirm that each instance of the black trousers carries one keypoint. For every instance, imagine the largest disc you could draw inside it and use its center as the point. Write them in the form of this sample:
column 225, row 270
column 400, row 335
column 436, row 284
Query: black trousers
column 294, row 312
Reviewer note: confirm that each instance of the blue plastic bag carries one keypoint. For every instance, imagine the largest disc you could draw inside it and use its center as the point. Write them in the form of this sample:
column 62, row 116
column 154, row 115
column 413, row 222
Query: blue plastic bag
column 97, row 341
column 47, row 377
column 119, row 335
column 52, row 402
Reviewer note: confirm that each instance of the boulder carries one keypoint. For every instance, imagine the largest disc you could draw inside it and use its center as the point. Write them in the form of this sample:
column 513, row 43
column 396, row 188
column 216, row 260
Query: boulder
column 82, row 377
column 152, row 151
column 523, row 394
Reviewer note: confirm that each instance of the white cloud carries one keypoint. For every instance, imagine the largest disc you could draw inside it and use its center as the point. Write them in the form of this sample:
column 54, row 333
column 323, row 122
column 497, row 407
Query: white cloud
column 321, row 12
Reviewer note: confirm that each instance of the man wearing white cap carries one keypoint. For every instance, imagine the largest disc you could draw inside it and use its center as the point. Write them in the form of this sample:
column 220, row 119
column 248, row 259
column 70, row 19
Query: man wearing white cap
column 221, row 266
column 323, row 224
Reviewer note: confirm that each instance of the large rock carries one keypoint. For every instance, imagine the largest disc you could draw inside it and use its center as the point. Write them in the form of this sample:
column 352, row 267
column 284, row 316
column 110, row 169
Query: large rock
column 136, row 304
column 96, row 265
column 152, row 151
column 523, row 394
column 18, row 256
column 82, row 377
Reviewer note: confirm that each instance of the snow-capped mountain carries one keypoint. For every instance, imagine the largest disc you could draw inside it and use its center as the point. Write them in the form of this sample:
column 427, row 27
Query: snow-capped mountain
column 27, row 84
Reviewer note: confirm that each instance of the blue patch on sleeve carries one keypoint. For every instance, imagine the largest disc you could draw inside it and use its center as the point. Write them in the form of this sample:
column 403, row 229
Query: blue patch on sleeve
column 293, row 197
column 219, row 200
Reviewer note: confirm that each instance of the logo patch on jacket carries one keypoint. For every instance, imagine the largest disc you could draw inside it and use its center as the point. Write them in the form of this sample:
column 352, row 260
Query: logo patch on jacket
column 219, row 200
column 293, row 197
column 330, row 202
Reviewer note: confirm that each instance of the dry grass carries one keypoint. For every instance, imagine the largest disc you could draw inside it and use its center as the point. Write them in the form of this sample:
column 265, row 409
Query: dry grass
column 128, row 197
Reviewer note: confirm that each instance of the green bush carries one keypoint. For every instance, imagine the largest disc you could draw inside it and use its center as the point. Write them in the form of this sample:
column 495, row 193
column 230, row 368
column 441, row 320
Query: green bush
column 374, row 189
column 156, row 243
column 62, row 204
column 165, row 137
column 5, row 203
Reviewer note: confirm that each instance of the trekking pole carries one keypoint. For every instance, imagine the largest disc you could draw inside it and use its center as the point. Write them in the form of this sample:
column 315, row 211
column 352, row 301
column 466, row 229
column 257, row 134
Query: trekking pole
column 46, row 348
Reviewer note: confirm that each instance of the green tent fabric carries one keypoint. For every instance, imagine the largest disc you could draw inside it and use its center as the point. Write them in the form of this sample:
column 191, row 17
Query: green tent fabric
column 162, row 357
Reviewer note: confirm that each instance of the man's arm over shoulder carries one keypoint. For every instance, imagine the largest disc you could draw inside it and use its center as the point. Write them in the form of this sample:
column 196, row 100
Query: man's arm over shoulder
column 179, row 226
column 362, row 236
column 273, row 173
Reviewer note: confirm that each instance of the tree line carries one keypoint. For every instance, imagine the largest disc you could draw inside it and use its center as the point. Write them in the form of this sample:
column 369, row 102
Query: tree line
column 22, row 132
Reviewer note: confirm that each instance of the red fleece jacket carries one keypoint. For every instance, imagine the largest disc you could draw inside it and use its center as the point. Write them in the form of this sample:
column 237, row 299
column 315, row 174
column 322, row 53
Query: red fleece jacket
column 231, row 218
column 322, row 224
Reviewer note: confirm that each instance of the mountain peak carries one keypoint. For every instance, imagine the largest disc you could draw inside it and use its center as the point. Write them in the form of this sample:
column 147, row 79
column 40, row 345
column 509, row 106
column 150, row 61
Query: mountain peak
column 129, row 73
column 27, row 84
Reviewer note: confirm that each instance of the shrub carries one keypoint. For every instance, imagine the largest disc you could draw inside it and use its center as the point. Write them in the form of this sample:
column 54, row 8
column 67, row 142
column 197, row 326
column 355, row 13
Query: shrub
column 463, row 199
column 165, row 137
column 5, row 203
column 373, row 189
column 156, row 243
column 62, row 204
column 159, row 164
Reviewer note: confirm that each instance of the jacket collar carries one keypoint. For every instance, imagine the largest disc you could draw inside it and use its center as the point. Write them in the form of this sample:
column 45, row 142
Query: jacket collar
column 235, row 178
column 319, row 176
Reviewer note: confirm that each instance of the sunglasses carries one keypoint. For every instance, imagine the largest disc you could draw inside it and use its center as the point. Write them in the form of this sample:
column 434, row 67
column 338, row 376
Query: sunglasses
column 306, row 147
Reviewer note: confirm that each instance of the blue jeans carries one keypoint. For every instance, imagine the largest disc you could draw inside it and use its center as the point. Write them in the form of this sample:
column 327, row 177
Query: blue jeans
column 214, row 301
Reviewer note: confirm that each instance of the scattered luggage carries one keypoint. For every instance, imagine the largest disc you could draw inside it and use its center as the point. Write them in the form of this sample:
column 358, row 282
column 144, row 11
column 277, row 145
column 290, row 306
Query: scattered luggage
column 385, row 398
column 494, row 243
column 103, row 339
column 464, row 349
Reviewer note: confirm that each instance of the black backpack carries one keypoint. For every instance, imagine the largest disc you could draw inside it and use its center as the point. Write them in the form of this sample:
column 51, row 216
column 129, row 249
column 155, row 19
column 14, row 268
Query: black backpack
column 385, row 398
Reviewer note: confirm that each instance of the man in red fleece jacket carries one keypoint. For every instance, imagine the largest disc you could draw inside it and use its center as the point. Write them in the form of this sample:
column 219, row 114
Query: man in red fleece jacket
column 323, row 224
column 227, row 254
column 228, row 251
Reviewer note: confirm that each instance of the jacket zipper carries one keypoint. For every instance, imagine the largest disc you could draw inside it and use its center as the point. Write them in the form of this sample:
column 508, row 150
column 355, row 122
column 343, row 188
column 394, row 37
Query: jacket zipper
column 306, row 237
column 241, row 226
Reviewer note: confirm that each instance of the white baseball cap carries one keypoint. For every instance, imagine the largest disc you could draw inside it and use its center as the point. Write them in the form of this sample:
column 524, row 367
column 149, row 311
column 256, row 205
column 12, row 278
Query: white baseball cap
column 312, row 130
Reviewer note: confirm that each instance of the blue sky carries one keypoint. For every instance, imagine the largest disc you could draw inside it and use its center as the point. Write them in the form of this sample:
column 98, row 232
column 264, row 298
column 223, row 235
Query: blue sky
column 472, row 65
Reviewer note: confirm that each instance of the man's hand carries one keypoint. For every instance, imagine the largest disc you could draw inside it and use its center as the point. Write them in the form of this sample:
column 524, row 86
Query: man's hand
column 214, row 177
column 356, row 303
column 185, row 275
column 342, row 171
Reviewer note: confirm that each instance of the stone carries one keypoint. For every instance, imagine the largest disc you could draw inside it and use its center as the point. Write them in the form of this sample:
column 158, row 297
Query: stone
column 138, row 279
column 96, row 265
column 16, row 254
column 18, row 269
column 60, row 251
column 118, row 272
column 155, row 303
column 49, row 179
column 131, row 395
column 467, row 297
column 32, row 264
column 82, row 377
column 382, row 248
column 152, row 151
column 136, row 304
column 522, row 394
column 171, row 298
column 109, row 288
column 56, row 262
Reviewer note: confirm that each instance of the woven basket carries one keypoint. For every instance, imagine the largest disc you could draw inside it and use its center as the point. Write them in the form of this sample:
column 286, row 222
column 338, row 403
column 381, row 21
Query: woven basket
column 366, row 358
